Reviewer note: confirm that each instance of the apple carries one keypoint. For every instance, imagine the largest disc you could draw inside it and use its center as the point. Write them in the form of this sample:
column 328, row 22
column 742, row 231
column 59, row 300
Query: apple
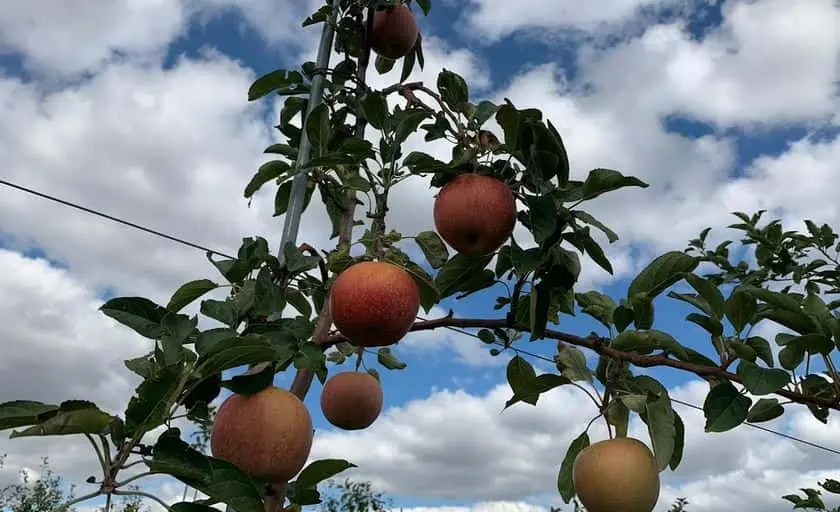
column 351, row 400
column 267, row 435
column 374, row 303
column 475, row 214
column 616, row 474
column 394, row 32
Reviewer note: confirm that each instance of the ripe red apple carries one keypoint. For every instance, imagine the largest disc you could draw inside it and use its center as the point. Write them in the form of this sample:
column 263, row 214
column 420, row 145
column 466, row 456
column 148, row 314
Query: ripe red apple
column 267, row 435
column 395, row 31
column 351, row 400
column 616, row 474
column 475, row 214
column 374, row 303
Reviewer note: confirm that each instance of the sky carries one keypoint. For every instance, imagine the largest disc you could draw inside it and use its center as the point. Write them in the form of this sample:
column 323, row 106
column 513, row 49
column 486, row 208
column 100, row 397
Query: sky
column 139, row 110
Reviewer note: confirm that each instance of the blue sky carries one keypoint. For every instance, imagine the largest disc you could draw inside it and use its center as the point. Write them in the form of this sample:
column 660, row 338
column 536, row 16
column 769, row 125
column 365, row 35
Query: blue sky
column 674, row 92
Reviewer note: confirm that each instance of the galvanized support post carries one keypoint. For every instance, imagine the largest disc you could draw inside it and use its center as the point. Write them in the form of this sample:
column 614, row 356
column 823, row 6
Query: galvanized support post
column 316, row 96
column 294, row 211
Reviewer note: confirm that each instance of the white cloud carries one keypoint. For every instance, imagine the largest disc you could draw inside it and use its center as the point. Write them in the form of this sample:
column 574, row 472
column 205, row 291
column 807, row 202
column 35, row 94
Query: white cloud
column 734, row 75
column 453, row 444
column 61, row 37
column 494, row 19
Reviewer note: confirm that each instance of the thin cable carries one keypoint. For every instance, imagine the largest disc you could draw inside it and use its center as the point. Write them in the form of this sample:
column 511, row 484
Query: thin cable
column 112, row 218
column 686, row 404
column 455, row 329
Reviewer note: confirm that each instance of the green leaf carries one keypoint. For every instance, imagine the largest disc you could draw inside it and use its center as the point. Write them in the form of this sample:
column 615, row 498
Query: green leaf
column 776, row 299
column 483, row 112
column 310, row 357
column 219, row 310
column 375, row 109
column 599, row 306
column 524, row 261
column 711, row 325
column 208, row 339
column 710, row 294
column 618, row 415
column 458, row 270
column 408, row 124
column 254, row 380
column 593, row 250
column 425, row 5
column 22, row 413
column 433, row 248
column 232, row 352
column 679, row 442
column 143, row 366
column 453, row 90
column 646, row 341
column 189, row 292
column 320, row 470
column 296, row 261
column 725, row 408
column 149, row 406
column 740, row 309
column 540, row 304
column 762, row 349
column 190, row 506
column 429, row 294
column 173, row 456
column 519, row 374
column 622, row 317
column 543, row 213
column 662, row 429
column 71, row 417
column 383, row 64
column 267, row 172
column 137, row 313
column 218, row 479
column 791, row 356
column 564, row 478
column 318, row 128
column 693, row 299
column 592, row 221
column 765, row 409
column 279, row 79
column 536, row 386
column 419, row 162
column 387, row 359
column 762, row 381
column 600, row 181
column 661, row 273
column 571, row 363
column 813, row 343
column 298, row 301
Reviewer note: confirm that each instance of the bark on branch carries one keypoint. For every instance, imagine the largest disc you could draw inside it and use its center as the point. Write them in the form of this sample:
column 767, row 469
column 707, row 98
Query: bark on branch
column 600, row 345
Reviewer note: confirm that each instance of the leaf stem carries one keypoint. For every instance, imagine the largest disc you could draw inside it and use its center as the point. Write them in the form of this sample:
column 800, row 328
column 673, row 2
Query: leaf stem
column 102, row 463
column 75, row 501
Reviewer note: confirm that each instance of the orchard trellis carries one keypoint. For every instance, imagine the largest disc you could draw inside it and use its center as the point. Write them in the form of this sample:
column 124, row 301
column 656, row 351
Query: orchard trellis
column 373, row 299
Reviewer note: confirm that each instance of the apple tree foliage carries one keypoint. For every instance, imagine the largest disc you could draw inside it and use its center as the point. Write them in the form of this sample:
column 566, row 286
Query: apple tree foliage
column 789, row 282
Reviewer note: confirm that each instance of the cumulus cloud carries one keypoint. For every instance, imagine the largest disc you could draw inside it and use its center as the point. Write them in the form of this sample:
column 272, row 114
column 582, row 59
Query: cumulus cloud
column 172, row 148
column 453, row 444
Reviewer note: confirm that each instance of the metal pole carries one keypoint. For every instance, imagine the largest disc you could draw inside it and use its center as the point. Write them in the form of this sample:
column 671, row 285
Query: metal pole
column 291, row 223
column 316, row 95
